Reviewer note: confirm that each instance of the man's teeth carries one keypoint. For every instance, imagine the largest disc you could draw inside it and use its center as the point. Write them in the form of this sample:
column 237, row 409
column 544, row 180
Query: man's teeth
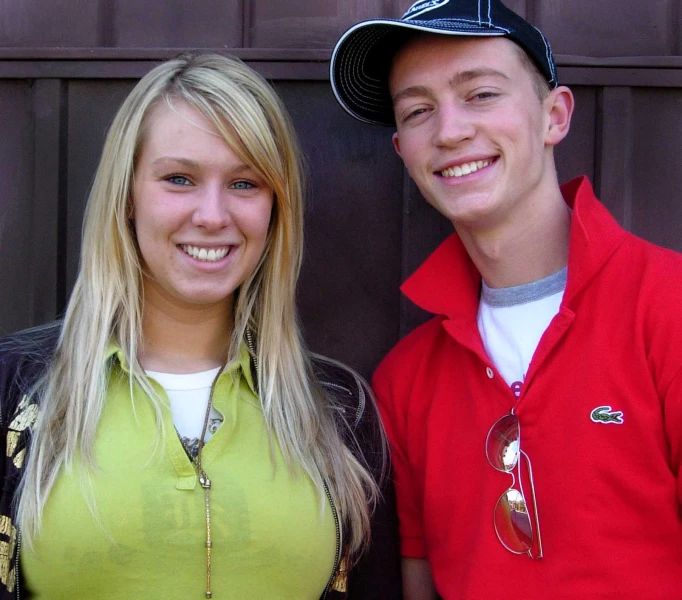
column 206, row 255
column 465, row 169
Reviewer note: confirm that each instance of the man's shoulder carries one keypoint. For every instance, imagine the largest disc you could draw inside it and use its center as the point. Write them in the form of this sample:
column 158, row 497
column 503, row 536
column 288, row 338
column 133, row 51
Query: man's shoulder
column 655, row 266
column 415, row 347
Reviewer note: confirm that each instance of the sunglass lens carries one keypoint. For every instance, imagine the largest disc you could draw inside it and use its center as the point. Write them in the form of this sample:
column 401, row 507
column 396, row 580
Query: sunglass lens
column 502, row 445
column 512, row 522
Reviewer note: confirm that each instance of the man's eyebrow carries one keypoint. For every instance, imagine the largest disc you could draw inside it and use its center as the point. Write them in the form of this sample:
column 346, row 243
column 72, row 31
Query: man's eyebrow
column 465, row 76
column 411, row 92
column 458, row 79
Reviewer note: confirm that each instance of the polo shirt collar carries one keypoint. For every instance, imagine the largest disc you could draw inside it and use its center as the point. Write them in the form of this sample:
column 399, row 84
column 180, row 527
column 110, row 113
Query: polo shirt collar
column 449, row 284
column 241, row 364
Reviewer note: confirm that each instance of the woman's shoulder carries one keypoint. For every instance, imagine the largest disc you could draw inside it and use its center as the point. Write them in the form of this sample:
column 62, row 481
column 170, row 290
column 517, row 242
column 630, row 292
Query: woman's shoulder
column 357, row 416
column 24, row 355
column 348, row 391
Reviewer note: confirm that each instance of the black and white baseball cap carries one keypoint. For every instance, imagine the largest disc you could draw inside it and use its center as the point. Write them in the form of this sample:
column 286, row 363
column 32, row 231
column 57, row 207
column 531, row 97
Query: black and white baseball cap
column 361, row 60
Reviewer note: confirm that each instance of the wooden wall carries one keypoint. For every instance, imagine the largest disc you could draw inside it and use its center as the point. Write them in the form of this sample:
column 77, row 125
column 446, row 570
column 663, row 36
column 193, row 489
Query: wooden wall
column 65, row 66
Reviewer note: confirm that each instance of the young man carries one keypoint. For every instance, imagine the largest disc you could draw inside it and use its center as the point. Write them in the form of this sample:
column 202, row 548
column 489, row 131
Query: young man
column 536, row 420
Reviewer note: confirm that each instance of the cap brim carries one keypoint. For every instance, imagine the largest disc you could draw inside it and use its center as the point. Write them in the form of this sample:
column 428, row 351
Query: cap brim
column 362, row 57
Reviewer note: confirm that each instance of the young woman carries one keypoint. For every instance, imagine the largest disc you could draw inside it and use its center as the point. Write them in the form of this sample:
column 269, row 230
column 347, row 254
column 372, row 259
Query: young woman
column 172, row 437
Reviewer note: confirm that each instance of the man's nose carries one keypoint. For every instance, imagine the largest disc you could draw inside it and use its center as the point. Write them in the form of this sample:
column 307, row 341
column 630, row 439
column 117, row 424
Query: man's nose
column 453, row 125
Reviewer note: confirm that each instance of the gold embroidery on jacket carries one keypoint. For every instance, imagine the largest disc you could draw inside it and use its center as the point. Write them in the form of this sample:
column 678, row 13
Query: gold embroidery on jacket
column 7, row 549
column 6, row 570
column 25, row 418
column 18, row 460
column 12, row 440
column 11, row 580
column 28, row 413
column 6, row 526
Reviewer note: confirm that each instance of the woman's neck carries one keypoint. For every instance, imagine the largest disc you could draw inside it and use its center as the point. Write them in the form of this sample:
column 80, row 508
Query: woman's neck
column 185, row 341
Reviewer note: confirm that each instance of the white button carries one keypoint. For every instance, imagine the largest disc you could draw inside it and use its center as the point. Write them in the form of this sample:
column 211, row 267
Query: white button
column 489, row 371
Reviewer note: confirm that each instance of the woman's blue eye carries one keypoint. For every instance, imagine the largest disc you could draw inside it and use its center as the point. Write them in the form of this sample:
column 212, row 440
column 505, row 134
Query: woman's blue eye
column 178, row 180
column 242, row 185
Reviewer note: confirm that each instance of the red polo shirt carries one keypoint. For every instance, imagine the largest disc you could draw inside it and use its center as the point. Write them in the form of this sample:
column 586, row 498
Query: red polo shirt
column 608, row 493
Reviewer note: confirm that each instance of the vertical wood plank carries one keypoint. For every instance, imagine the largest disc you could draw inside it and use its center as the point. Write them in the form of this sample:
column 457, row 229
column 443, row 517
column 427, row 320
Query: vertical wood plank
column 613, row 160
column 49, row 193
column 106, row 23
column 92, row 105
column 247, row 20
column 304, row 24
column 675, row 30
column 39, row 23
column 592, row 28
column 656, row 173
column 178, row 24
column 575, row 154
column 17, row 214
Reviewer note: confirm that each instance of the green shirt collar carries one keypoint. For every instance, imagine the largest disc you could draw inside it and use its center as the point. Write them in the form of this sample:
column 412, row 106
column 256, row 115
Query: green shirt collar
column 243, row 362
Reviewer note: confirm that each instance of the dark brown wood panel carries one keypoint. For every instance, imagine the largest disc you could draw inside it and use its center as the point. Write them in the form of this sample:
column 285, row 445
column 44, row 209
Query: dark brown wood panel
column 48, row 196
column 91, row 108
column 575, row 154
column 49, row 23
column 16, row 206
column 304, row 24
column 613, row 157
column 655, row 171
column 174, row 23
column 598, row 28
column 348, row 295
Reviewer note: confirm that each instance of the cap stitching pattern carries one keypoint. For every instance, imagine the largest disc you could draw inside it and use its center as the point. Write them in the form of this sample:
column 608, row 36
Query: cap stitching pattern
column 359, row 81
column 434, row 5
column 548, row 55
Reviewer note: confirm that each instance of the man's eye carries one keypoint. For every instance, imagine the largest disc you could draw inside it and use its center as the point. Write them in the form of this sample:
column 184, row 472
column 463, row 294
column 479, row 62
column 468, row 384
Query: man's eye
column 178, row 180
column 242, row 185
column 485, row 96
column 415, row 113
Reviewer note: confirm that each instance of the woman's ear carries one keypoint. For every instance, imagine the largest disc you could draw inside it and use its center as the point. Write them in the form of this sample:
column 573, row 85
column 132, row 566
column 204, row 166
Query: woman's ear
column 559, row 105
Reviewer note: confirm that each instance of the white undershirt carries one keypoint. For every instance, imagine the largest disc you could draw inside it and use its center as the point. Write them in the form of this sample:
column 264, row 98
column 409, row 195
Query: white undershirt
column 188, row 395
column 511, row 322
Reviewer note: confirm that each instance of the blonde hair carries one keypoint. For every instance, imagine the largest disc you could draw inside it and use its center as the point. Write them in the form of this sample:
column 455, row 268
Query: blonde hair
column 107, row 298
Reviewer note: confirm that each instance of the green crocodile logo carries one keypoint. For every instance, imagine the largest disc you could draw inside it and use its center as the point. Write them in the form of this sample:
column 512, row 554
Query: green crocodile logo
column 605, row 414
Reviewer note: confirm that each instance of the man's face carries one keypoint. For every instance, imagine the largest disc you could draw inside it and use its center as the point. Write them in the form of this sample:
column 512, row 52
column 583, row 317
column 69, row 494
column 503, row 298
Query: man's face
column 471, row 127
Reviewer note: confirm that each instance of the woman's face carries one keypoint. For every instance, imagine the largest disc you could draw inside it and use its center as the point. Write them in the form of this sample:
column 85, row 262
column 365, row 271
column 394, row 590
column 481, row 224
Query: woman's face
column 201, row 215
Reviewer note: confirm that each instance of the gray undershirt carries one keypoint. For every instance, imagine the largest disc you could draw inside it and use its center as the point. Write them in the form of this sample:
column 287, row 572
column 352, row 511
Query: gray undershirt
column 528, row 292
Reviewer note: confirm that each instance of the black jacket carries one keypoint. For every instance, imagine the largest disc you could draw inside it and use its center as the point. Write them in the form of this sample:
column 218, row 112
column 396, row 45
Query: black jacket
column 25, row 355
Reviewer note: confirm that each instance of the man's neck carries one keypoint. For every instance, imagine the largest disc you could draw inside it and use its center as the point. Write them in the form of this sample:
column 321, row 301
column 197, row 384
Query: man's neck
column 525, row 249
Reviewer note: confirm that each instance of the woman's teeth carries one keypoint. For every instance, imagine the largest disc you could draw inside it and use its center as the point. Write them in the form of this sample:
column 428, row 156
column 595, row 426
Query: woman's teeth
column 206, row 255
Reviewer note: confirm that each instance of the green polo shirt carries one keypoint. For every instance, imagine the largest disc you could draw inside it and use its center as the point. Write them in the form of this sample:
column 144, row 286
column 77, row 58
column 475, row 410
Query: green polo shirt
column 271, row 537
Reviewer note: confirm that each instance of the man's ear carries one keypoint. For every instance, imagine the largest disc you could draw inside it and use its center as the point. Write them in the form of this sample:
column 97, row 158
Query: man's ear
column 396, row 143
column 559, row 106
